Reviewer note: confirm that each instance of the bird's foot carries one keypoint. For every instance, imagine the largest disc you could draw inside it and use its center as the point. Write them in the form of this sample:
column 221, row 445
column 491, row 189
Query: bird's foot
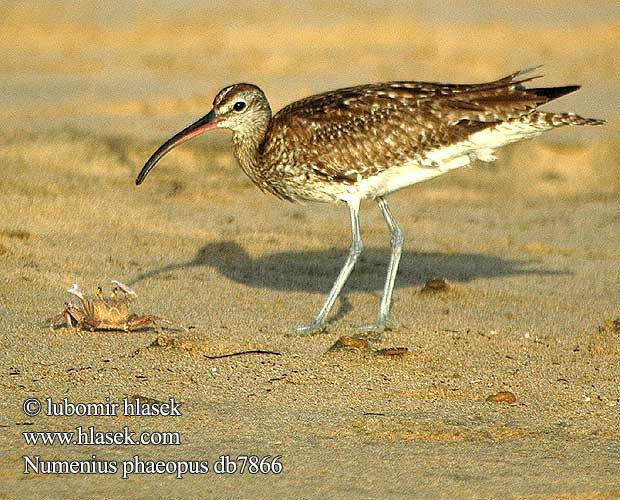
column 383, row 324
column 314, row 327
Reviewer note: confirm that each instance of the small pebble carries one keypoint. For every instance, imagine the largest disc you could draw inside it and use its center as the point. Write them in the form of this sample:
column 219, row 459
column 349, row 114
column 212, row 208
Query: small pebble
column 392, row 351
column 435, row 285
column 610, row 327
column 502, row 397
column 346, row 342
column 162, row 340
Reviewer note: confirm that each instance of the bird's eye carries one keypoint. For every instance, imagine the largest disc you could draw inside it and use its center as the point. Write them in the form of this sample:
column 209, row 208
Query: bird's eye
column 239, row 106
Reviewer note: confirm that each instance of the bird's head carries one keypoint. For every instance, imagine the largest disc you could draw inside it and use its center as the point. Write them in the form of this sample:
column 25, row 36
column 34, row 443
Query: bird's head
column 242, row 108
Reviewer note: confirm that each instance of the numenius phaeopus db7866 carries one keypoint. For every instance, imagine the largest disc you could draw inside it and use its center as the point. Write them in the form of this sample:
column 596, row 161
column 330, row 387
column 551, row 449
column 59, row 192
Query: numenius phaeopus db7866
column 365, row 142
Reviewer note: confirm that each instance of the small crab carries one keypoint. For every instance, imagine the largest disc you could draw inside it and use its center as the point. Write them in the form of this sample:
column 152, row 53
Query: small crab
column 105, row 313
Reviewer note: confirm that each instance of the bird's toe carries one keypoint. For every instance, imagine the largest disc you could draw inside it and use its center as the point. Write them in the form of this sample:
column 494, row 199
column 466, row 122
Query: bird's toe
column 312, row 328
column 381, row 325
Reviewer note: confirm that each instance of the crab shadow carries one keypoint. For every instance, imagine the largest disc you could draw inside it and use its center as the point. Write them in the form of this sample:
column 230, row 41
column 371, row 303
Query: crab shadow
column 314, row 271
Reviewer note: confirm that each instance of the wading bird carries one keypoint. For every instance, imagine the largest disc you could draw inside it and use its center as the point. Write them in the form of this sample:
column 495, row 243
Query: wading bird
column 368, row 141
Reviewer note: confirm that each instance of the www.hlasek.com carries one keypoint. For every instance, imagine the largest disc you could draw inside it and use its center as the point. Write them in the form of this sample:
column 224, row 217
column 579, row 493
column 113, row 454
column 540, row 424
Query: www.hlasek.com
column 130, row 407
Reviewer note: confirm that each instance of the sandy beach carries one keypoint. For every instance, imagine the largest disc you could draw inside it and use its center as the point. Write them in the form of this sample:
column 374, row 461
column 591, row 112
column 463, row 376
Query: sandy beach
column 528, row 247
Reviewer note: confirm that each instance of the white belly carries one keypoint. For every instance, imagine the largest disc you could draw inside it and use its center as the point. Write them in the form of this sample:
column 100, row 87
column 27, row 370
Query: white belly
column 478, row 146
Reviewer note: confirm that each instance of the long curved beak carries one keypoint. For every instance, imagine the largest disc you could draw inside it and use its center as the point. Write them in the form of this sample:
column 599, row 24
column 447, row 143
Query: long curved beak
column 207, row 122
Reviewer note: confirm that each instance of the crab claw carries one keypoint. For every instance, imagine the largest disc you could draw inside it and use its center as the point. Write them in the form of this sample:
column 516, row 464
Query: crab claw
column 124, row 288
column 75, row 290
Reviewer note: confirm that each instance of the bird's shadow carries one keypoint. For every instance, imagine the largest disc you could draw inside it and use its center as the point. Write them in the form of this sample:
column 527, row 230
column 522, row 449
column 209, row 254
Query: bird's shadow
column 314, row 271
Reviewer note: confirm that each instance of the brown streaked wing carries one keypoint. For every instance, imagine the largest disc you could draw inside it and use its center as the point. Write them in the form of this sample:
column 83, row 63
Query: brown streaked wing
column 360, row 131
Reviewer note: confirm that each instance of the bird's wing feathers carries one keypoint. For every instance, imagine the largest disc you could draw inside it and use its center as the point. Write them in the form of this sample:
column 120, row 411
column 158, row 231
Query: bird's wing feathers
column 404, row 119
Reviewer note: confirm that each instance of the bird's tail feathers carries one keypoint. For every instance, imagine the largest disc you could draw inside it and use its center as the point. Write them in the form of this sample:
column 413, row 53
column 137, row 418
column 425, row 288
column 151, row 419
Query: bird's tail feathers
column 570, row 119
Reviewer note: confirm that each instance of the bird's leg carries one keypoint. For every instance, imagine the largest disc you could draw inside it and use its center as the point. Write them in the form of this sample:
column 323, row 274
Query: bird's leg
column 397, row 239
column 354, row 252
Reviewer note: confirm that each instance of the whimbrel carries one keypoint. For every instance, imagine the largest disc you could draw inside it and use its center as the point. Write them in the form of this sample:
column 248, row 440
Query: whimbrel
column 367, row 141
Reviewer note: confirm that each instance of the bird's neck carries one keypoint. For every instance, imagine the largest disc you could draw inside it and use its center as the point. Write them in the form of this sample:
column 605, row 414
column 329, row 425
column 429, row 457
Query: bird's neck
column 247, row 148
